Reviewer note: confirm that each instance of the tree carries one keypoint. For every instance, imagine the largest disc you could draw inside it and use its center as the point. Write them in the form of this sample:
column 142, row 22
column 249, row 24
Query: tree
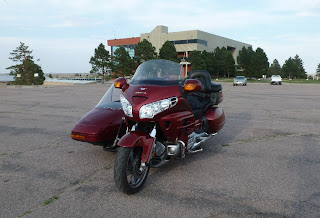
column 21, row 53
column 144, row 51
column 123, row 64
column 245, row 60
column 169, row 52
column 289, row 67
column 196, row 59
column 318, row 70
column 101, row 61
column 259, row 63
column 223, row 62
column 208, row 59
column 25, row 72
column 293, row 67
column 254, row 63
column 229, row 63
column 218, row 59
column 275, row 69
column 217, row 63
column 300, row 73
column 220, row 62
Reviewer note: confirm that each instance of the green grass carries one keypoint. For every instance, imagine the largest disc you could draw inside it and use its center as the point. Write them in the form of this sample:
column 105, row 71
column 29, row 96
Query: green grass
column 225, row 145
column 26, row 213
column 107, row 167
column 258, row 81
column 3, row 154
column 49, row 201
column 302, row 81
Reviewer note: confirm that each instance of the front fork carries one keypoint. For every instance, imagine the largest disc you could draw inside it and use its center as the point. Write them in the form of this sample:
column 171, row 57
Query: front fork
column 153, row 135
column 138, row 138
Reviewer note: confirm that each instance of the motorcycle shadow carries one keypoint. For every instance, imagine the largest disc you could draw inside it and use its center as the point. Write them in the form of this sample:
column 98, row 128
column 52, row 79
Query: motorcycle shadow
column 214, row 146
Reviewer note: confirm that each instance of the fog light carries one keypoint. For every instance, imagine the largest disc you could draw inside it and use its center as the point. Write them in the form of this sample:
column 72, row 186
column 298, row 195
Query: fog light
column 173, row 150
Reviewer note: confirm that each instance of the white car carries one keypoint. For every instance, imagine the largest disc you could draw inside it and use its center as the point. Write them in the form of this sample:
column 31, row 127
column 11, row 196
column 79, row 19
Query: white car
column 276, row 79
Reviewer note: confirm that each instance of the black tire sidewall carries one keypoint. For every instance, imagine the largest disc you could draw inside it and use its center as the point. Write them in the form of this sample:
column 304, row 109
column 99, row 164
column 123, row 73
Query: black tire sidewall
column 120, row 175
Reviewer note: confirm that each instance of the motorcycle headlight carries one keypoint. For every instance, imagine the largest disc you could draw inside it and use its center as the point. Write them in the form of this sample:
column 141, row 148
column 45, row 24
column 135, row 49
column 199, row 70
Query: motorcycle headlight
column 150, row 110
column 126, row 106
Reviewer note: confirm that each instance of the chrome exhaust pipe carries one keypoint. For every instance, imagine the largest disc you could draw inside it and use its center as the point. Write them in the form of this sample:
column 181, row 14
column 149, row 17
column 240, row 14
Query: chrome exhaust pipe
column 203, row 139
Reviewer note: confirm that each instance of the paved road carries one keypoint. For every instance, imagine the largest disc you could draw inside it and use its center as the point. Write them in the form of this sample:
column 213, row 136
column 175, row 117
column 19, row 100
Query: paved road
column 264, row 163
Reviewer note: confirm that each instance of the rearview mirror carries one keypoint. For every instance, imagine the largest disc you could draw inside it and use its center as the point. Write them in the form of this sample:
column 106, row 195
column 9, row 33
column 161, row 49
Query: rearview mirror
column 120, row 83
column 192, row 85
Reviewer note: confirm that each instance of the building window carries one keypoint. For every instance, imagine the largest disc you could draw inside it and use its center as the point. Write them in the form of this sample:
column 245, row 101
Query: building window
column 128, row 48
column 181, row 42
column 202, row 42
column 192, row 40
column 188, row 41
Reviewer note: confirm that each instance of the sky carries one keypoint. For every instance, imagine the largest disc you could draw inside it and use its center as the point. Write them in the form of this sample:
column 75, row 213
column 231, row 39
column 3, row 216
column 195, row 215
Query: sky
column 64, row 33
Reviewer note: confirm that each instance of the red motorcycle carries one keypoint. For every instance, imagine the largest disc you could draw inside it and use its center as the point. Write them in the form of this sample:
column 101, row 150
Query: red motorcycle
column 167, row 117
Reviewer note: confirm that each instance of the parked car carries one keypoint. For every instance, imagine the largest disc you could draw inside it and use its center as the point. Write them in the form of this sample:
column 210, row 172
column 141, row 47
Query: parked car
column 239, row 80
column 276, row 79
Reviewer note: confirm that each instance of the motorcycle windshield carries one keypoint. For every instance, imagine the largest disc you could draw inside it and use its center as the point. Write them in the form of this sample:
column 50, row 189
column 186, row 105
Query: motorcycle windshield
column 111, row 100
column 158, row 72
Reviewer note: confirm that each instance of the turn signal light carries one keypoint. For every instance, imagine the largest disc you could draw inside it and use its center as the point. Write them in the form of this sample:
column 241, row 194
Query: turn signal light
column 77, row 137
column 117, row 85
column 190, row 87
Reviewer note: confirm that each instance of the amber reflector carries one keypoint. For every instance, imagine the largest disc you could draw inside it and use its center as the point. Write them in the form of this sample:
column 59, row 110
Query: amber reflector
column 189, row 87
column 77, row 137
column 117, row 84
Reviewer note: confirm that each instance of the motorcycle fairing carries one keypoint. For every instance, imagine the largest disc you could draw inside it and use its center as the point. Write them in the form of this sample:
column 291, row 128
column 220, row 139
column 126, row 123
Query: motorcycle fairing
column 179, row 124
column 138, row 138
column 139, row 95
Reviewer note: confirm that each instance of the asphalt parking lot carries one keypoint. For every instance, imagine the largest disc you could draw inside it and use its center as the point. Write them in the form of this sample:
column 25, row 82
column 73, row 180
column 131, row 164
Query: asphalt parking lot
column 265, row 162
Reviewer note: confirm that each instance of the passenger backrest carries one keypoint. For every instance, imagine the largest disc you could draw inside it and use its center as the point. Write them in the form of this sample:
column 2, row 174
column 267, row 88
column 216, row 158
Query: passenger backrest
column 204, row 77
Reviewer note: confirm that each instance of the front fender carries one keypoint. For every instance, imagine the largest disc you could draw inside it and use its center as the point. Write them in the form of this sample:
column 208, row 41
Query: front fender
column 141, row 139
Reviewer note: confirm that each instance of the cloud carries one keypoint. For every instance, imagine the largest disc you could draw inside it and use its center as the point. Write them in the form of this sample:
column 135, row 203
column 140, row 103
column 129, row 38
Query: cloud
column 64, row 55
column 294, row 5
column 205, row 19
column 307, row 14
column 298, row 8
column 65, row 22
column 70, row 30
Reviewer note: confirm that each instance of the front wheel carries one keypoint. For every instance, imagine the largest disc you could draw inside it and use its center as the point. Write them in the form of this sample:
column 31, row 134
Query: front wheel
column 129, row 174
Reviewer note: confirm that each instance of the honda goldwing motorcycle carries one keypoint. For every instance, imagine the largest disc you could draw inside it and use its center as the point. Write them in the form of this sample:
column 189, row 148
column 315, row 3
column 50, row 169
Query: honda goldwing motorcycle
column 167, row 117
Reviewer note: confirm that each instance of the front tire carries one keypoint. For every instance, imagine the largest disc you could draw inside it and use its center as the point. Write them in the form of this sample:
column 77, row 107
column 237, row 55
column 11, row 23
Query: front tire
column 129, row 175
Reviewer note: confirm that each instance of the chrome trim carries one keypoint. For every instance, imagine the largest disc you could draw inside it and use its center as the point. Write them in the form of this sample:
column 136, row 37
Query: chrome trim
column 183, row 149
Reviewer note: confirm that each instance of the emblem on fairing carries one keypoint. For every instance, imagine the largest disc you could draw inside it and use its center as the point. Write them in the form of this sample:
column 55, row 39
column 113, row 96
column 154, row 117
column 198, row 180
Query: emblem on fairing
column 142, row 89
